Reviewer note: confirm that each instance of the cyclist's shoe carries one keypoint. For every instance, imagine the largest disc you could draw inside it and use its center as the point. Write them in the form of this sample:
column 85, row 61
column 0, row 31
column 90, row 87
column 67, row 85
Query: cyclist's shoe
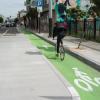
column 57, row 54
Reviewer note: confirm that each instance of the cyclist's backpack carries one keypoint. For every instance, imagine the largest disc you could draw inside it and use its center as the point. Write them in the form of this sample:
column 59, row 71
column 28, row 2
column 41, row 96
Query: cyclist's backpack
column 62, row 25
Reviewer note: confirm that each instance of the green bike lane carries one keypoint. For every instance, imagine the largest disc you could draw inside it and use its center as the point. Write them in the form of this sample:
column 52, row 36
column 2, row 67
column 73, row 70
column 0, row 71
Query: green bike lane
column 81, row 76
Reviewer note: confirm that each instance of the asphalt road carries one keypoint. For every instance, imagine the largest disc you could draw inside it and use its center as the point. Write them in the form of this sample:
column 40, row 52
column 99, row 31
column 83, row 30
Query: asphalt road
column 25, row 73
column 2, row 30
column 8, row 30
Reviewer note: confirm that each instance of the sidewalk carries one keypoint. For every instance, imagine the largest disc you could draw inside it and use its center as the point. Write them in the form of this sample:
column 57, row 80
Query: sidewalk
column 89, row 51
column 25, row 74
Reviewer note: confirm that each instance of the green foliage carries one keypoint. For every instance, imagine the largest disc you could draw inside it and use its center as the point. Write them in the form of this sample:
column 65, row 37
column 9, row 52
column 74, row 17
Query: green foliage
column 32, row 13
column 96, row 8
column 97, row 2
column 28, row 1
column 76, row 13
column 1, row 20
column 16, row 20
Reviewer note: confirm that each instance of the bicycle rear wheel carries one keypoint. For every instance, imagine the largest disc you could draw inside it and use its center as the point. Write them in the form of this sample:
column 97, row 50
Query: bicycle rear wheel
column 62, row 53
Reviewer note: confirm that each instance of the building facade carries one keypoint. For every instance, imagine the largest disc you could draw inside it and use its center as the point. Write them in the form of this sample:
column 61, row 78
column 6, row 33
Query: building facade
column 44, row 20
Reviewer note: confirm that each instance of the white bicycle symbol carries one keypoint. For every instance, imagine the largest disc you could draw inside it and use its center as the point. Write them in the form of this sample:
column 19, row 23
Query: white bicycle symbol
column 84, row 81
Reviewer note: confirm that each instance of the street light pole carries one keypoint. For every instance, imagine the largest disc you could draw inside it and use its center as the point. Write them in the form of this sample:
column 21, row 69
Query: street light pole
column 50, row 18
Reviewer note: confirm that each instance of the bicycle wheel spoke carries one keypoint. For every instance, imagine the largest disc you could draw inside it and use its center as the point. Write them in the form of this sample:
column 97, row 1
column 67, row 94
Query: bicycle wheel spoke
column 62, row 53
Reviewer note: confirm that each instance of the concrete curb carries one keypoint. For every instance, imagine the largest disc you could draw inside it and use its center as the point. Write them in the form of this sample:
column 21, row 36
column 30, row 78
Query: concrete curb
column 93, row 64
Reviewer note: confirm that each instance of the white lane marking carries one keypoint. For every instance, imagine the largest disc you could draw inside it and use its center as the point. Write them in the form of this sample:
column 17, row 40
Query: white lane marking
column 5, row 32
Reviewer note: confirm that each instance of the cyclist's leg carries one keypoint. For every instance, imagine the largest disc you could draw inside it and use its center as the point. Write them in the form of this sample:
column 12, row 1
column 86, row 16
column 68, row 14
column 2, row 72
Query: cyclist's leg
column 58, row 42
column 60, row 36
column 61, row 42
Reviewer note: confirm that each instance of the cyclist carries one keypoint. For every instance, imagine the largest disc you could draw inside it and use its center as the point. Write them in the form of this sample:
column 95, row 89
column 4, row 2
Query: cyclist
column 61, row 23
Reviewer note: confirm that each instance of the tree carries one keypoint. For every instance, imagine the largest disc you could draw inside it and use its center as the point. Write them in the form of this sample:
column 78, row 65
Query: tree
column 75, row 13
column 32, row 16
column 1, row 20
column 16, row 20
column 97, row 6
column 97, row 3
column 28, row 1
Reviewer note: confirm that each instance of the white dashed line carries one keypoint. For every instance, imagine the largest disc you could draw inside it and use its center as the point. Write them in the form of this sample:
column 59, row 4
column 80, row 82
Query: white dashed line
column 5, row 32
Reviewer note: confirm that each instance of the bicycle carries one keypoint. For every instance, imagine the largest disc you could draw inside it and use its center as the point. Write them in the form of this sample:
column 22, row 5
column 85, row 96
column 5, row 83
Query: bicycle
column 61, row 51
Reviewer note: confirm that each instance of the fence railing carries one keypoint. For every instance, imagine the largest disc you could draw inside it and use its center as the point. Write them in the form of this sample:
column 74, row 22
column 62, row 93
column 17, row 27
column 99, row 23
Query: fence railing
column 89, row 27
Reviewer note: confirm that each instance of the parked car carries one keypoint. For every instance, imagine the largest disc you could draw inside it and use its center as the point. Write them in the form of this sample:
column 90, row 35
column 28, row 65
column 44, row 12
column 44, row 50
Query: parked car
column 10, row 24
column 7, row 24
column 13, row 24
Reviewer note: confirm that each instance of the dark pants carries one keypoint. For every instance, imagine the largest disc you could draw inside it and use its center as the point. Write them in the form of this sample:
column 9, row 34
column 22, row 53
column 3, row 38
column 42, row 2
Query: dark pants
column 55, row 32
column 60, row 36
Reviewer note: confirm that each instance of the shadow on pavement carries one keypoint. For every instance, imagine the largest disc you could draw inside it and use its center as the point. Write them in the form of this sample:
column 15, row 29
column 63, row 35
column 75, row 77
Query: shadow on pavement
column 33, row 53
column 56, row 97
column 50, row 49
column 52, row 57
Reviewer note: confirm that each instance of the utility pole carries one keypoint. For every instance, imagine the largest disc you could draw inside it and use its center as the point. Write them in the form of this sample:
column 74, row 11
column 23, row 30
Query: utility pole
column 50, row 18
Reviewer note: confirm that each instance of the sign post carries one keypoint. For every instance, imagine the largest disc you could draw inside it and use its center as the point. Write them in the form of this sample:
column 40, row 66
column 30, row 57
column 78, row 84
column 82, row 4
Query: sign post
column 39, row 9
column 39, row 4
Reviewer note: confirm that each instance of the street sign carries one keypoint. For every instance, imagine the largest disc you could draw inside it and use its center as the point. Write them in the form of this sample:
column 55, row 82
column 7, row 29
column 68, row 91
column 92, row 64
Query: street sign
column 39, row 3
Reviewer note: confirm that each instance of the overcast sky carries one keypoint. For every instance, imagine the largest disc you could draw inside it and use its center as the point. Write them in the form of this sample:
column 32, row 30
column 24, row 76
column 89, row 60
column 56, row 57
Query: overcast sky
column 11, row 7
